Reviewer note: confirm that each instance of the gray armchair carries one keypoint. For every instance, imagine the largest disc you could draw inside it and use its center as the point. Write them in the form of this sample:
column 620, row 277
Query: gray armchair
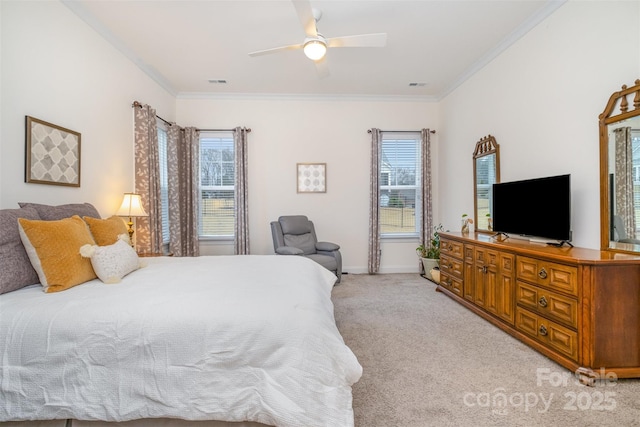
column 620, row 232
column 296, row 235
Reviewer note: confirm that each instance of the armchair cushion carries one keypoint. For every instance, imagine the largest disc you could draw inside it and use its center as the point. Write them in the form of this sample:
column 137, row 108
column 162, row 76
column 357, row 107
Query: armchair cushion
column 295, row 224
column 289, row 250
column 304, row 242
column 327, row 246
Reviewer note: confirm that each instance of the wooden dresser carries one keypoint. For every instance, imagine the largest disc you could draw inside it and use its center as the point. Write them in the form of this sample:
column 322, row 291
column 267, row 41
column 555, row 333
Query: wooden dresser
column 579, row 307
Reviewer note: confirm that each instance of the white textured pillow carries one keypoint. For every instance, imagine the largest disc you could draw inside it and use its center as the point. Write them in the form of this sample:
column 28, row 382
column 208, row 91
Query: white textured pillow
column 111, row 263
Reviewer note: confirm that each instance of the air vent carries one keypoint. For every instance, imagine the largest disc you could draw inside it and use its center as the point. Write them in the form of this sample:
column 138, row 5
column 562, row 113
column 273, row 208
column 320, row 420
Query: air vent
column 218, row 81
column 417, row 84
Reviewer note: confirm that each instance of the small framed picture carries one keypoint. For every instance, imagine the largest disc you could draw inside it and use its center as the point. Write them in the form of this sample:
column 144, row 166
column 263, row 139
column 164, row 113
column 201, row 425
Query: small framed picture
column 312, row 177
column 52, row 154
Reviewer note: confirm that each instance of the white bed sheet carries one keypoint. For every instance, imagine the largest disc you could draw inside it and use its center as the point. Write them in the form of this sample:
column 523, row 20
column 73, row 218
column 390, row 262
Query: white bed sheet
column 233, row 338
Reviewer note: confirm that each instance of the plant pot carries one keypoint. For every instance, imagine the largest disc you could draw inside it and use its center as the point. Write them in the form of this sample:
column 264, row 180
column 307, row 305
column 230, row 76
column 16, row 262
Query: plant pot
column 429, row 264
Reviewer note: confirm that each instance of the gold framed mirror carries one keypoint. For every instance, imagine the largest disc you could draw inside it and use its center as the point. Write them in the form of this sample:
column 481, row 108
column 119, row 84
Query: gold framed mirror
column 486, row 172
column 620, row 172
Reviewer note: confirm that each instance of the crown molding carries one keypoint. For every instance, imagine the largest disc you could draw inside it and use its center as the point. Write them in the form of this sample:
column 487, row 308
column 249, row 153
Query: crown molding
column 304, row 97
column 550, row 7
column 531, row 22
column 97, row 26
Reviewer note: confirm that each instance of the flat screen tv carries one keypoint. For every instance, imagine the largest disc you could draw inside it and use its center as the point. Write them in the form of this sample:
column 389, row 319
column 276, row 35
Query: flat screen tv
column 537, row 208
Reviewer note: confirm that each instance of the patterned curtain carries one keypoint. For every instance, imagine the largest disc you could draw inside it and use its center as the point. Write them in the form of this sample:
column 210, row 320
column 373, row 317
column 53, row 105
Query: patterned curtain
column 426, row 225
column 148, row 235
column 624, row 181
column 241, row 240
column 374, row 202
column 183, row 173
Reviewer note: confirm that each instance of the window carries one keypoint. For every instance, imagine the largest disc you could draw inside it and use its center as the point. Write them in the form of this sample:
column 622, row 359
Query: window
column 217, row 184
column 400, row 184
column 635, row 147
column 164, row 181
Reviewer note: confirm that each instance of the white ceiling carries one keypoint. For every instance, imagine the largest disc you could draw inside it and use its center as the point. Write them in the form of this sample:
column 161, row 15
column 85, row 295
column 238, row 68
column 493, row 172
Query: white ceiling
column 183, row 44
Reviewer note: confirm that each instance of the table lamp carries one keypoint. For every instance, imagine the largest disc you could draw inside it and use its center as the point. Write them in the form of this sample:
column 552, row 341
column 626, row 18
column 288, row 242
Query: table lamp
column 131, row 206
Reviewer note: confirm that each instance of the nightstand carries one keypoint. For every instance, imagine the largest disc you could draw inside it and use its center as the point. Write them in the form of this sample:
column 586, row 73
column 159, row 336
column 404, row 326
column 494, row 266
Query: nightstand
column 154, row 254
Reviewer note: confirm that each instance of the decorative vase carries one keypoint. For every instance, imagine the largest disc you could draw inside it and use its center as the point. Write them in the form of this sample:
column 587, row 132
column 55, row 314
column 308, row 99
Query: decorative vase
column 465, row 226
column 490, row 224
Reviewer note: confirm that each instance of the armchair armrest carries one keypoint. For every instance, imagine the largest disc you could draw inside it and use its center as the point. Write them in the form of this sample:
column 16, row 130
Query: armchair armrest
column 326, row 246
column 289, row 250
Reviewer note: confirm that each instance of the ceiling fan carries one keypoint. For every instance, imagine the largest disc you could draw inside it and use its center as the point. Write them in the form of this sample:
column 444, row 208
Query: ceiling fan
column 315, row 45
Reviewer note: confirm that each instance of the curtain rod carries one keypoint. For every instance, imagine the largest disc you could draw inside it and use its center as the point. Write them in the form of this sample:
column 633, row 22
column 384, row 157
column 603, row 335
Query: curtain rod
column 137, row 104
column 403, row 131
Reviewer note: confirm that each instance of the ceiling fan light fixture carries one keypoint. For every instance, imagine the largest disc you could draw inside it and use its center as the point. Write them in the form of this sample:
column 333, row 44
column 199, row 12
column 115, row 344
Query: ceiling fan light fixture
column 315, row 49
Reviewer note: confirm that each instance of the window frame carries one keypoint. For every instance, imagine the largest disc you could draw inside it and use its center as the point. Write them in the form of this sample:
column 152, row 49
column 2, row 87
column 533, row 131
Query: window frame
column 163, row 158
column 416, row 137
column 220, row 187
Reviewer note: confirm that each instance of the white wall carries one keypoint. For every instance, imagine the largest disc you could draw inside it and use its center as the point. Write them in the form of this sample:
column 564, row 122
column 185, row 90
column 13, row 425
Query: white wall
column 55, row 68
column 286, row 131
column 541, row 100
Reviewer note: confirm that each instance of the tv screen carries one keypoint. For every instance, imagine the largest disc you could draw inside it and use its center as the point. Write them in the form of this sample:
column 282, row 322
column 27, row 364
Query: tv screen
column 538, row 207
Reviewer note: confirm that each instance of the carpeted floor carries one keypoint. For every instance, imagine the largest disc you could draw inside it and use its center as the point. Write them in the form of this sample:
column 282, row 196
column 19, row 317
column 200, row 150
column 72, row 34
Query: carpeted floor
column 428, row 361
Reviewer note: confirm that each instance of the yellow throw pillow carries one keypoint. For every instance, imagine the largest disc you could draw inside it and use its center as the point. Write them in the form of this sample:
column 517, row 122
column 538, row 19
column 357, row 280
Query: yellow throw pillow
column 106, row 231
column 53, row 248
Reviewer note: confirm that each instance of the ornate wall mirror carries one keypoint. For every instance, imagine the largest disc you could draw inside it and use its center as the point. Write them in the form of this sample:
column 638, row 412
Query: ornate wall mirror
column 620, row 172
column 486, row 172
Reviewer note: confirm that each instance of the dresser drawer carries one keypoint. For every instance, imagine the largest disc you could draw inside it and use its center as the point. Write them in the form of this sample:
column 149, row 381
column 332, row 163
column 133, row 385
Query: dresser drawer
column 553, row 335
column 547, row 303
column 451, row 266
column 451, row 248
column 468, row 253
column 454, row 284
column 554, row 276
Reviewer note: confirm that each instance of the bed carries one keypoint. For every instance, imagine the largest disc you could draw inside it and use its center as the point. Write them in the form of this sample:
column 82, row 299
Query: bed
column 246, row 339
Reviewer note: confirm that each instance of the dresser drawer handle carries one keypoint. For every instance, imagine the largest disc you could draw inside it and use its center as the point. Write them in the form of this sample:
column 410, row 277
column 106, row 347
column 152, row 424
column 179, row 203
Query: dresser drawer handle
column 542, row 301
column 543, row 330
column 542, row 273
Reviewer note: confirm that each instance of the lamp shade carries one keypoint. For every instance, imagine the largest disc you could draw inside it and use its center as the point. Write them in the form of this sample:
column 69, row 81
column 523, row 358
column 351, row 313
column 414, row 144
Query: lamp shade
column 315, row 49
column 131, row 206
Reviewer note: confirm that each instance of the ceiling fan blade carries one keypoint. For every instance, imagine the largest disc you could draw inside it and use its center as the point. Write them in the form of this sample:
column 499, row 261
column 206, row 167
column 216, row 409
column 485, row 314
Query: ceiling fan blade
column 362, row 40
column 305, row 15
column 276, row 50
column 322, row 68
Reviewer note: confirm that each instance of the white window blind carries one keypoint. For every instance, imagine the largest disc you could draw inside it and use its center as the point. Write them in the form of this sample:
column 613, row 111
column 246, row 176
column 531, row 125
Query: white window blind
column 217, row 184
column 164, row 181
column 635, row 147
column 400, row 184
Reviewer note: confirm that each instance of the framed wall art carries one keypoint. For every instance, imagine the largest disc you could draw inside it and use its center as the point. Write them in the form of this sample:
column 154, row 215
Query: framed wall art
column 312, row 177
column 52, row 154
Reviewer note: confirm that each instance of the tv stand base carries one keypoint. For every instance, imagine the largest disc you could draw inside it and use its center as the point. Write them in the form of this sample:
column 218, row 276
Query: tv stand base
column 560, row 243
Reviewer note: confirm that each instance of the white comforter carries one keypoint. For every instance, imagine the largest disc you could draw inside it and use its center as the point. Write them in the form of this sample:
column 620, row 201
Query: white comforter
column 211, row 338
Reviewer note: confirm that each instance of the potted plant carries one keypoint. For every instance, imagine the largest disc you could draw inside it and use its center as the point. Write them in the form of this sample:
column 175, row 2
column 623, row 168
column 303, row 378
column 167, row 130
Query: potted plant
column 429, row 253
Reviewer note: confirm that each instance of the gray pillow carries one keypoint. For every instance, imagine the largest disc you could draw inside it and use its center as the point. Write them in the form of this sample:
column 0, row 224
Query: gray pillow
column 15, row 270
column 53, row 213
